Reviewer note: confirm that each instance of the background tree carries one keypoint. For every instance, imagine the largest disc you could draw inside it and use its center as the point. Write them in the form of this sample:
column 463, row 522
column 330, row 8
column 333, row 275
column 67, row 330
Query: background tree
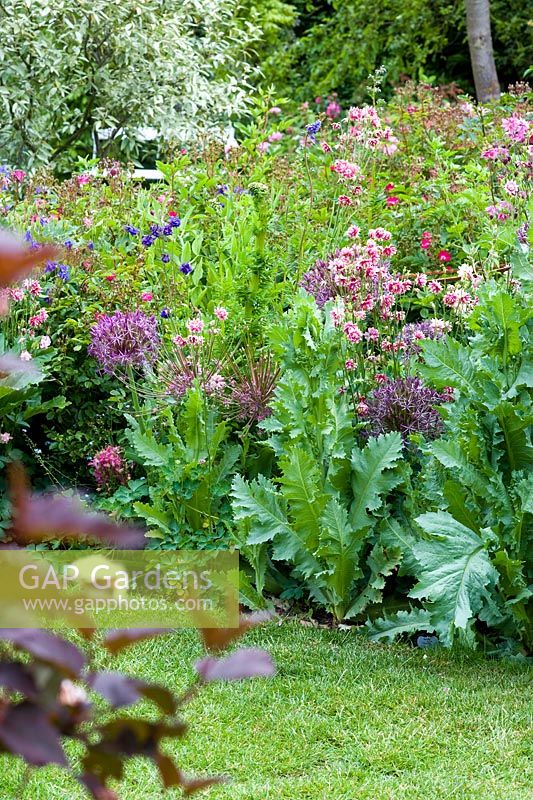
column 481, row 50
column 71, row 68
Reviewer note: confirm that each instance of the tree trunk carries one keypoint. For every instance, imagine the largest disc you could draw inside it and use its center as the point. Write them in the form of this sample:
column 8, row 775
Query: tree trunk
column 481, row 52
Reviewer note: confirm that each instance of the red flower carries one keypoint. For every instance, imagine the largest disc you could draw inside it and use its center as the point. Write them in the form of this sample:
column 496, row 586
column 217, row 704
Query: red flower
column 111, row 277
column 389, row 187
column 444, row 255
column 392, row 201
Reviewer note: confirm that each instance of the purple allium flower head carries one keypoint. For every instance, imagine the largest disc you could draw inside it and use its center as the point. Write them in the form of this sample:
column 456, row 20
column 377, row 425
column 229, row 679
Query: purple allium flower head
column 406, row 405
column 415, row 332
column 186, row 268
column 319, row 282
column 124, row 339
column 131, row 229
column 165, row 258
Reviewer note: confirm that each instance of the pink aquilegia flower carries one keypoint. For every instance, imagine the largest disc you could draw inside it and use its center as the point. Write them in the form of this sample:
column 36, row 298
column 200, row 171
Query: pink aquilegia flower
column 392, row 200
column 221, row 313
column 5, row 438
column 146, row 297
column 45, row 342
column 516, row 128
column 195, row 325
column 444, row 256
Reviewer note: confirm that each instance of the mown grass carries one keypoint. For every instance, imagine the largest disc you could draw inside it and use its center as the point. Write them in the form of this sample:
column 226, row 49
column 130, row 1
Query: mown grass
column 343, row 720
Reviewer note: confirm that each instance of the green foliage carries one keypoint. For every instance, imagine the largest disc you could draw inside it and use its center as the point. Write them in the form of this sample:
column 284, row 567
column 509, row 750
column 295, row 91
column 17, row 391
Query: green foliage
column 336, row 45
column 475, row 565
column 188, row 465
column 322, row 513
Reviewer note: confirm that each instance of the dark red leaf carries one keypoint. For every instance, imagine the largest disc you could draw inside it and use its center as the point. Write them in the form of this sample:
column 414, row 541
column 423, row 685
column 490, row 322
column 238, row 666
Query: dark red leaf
column 193, row 785
column 216, row 639
column 119, row 690
column 46, row 647
column 248, row 662
column 16, row 678
column 96, row 788
column 37, row 517
column 26, row 731
column 118, row 639
column 17, row 260
column 170, row 774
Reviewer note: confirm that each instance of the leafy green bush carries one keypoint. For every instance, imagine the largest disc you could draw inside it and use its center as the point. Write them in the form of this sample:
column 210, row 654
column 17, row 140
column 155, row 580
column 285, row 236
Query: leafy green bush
column 475, row 565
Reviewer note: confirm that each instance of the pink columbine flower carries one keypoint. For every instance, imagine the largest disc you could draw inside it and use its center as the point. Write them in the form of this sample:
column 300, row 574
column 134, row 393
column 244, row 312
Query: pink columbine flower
column 346, row 169
column 33, row 286
column 349, row 364
column 392, row 200
column 325, row 147
column 276, row 136
column 179, row 341
column 5, row 438
column 444, row 256
column 146, row 297
column 435, row 287
column 353, row 231
column 362, row 408
column 515, row 127
column 333, row 110
column 263, row 146
column 352, row 332
column 45, row 342
column 221, row 313
column 344, row 200
column 275, row 110
column 372, row 334
column 25, row 356
column 195, row 325
column 39, row 318
column 512, row 188
column 421, row 280
column 18, row 175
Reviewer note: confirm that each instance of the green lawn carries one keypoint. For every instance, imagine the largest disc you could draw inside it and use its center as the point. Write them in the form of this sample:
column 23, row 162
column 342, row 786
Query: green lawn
column 343, row 720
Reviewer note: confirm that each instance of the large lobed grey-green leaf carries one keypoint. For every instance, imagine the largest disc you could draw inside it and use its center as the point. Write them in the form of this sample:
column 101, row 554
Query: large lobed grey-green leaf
column 455, row 575
column 373, row 476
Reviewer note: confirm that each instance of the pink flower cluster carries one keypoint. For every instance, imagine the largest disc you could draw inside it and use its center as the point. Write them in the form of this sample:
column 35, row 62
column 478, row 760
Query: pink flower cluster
column 39, row 318
column 368, row 130
column 109, row 467
column 501, row 211
column 346, row 169
column 516, row 128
